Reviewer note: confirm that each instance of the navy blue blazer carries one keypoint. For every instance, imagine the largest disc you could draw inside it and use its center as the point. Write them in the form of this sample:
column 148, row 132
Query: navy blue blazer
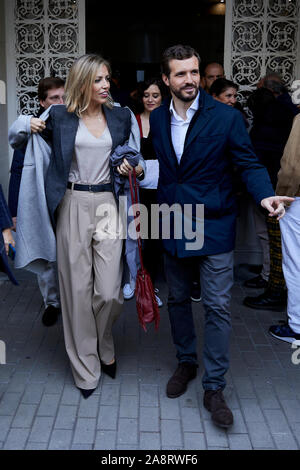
column 216, row 141
column 60, row 133
column 15, row 180
column 5, row 222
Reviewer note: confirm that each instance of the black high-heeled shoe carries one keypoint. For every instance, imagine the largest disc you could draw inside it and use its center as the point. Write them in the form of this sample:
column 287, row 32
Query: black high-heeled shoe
column 86, row 392
column 109, row 369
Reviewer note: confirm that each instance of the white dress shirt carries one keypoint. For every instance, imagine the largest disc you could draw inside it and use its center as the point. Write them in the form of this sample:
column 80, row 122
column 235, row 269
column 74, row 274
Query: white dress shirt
column 180, row 126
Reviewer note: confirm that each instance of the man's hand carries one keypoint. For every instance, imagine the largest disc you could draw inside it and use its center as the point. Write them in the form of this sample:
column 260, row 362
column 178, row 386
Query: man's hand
column 8, row 239
column 37, row 125
column 275, row 205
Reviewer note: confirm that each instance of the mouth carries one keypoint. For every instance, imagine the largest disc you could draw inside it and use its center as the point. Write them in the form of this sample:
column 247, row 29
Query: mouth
column 189, row 89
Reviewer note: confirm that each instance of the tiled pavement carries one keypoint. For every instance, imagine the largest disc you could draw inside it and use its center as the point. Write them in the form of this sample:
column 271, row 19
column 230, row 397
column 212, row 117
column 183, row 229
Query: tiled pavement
column 40, row 408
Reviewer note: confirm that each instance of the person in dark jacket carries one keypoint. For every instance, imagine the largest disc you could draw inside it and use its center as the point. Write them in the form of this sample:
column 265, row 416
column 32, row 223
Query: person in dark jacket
column 272, row 123
column 197, row 139
column 6, row 237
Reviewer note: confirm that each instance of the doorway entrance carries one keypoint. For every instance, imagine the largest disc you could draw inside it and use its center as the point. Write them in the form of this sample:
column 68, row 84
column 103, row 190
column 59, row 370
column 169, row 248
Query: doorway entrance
column 134, row 42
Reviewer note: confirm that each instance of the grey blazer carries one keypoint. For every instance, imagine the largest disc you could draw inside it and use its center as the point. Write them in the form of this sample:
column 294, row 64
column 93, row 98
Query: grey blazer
column 60, row 134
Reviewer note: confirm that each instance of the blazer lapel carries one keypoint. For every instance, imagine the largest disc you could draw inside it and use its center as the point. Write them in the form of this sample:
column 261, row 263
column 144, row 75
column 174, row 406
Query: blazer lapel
column 199, row 120
column 167, row 135
column 68, row 135
column 112, row 124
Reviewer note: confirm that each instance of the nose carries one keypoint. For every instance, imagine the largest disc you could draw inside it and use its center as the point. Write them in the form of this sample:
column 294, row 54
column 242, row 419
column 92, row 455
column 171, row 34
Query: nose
column 61, row 100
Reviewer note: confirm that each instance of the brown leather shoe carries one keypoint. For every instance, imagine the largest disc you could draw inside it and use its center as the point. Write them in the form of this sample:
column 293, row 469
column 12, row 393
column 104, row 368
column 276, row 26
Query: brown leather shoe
column 215, row 403
column 177, row 384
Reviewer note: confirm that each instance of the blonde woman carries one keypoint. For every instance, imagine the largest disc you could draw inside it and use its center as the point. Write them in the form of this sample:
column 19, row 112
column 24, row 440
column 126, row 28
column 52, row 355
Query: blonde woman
column 83, row 134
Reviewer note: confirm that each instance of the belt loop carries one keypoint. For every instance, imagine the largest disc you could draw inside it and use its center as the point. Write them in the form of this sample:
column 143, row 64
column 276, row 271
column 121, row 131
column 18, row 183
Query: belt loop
column 72, row 187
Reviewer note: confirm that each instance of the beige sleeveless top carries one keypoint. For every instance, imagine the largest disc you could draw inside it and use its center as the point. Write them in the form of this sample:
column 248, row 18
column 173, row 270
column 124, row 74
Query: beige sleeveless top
column 90, row 164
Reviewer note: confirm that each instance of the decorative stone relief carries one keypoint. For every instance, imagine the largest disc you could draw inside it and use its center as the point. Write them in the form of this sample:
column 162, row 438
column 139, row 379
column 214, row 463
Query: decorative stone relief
column 264, row 39
column 47, row 42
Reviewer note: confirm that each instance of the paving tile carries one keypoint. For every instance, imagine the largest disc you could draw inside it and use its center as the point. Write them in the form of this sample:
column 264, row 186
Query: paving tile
column 66, row 417
column 105, row 440
column 169, row 408
column 239, row 442
column 41, row 429
column 251, row 410
column 149, row 441
column 71, row 395
column 129, row 385
column 33, row 394
column 127, row 431
column 5, row 423
column 36, row 446
column 149, row 419
column 16, row 439
column 191, row 420
column 149, row 395
column 171, row 433
column 215, row 436
column 291, row 409
column 260, row 435
column 60, row 439
column 9, row 403
column 108, row 417
column 48, row 405
column 24, row 416
column 84, row 431
column 128, row 407
column 244, row 387
column 89, row 408
column 110, row 394
column 194, row 441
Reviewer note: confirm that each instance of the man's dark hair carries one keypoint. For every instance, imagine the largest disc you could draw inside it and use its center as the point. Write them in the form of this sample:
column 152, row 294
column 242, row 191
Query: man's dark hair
column 220, row 85
column 259, row 100
column 178, row 52
column 48, row 83
column 275, row 86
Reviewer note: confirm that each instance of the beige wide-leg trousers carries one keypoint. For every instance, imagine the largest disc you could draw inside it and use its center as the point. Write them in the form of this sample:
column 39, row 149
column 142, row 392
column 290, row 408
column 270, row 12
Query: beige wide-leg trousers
column 90, row 274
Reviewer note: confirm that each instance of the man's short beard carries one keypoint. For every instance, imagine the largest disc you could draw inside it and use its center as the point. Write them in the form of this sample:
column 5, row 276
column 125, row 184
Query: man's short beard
column 186, row 99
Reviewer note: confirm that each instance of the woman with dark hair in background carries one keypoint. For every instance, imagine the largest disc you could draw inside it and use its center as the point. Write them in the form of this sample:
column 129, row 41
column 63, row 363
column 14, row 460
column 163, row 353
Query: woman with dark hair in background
column 224, row 91
column 150, row 95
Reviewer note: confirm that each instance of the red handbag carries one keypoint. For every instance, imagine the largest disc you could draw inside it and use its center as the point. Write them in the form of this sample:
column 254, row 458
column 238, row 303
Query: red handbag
column 146, row 303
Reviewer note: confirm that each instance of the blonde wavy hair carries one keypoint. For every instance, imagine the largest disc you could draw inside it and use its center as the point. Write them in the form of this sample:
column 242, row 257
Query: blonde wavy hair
column 78, row 87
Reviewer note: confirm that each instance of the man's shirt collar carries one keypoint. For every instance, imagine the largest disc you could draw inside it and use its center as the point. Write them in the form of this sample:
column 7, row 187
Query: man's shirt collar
column 190, row 111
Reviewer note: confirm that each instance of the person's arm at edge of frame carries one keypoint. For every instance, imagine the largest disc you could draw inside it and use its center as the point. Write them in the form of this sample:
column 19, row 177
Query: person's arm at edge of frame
column 289, row 174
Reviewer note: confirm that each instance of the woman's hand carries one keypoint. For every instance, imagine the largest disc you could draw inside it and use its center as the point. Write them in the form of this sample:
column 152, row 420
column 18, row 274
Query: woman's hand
column 37, row 125
column 8, row 239
column 125, row 168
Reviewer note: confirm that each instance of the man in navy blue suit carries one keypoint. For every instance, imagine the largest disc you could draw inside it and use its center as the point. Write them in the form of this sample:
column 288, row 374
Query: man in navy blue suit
column 197, row 141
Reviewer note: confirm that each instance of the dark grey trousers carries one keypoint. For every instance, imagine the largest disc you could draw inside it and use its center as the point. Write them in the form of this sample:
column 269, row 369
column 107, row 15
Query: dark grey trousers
column 216, row 276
